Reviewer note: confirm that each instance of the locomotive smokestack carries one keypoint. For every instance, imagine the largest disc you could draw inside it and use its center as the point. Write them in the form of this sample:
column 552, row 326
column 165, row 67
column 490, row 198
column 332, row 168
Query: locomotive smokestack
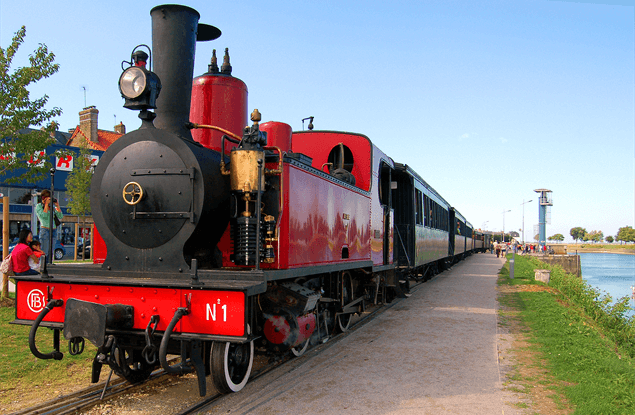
column 174, row 35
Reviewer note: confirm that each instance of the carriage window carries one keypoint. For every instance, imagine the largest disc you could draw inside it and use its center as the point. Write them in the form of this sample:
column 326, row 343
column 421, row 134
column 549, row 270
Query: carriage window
column 426, row 213
column 384, row 184
column 444, row 223
column 419, row 211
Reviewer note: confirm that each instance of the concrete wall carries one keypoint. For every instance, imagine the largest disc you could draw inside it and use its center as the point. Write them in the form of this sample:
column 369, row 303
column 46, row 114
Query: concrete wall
column 570, row 263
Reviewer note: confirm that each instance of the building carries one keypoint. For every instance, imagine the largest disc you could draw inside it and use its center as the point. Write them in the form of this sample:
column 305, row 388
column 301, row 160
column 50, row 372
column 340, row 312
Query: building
column 88, row 133
column 21, row 194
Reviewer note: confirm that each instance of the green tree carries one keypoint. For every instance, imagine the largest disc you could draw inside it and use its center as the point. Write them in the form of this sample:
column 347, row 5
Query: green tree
column 609, row 239
column 626, row 234
column 18, row 111
column 78, row 185
column 594, row 236
column 557, row 237
column 577, row 233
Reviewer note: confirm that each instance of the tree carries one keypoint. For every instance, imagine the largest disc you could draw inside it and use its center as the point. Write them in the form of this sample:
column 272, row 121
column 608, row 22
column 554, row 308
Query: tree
column 78, row 185
column 577, row 233
column 557, row 237
column 18, row 112
column 626, row 234
column 594, row 236
column 609, row 239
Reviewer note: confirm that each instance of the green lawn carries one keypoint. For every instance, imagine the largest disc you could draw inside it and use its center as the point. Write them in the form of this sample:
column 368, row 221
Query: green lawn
column 21, row 372
column 585, row 341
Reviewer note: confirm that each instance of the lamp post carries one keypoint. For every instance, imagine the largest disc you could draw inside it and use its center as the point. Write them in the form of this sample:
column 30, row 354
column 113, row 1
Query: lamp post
column 505, row 211
column 523, row 205
column 485, row 223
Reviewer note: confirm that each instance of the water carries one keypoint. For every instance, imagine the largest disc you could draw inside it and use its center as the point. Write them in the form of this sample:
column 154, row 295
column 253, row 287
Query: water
column 613, row 274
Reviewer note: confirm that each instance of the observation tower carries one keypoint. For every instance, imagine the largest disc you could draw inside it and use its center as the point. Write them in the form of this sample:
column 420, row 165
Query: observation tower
column 544, row 214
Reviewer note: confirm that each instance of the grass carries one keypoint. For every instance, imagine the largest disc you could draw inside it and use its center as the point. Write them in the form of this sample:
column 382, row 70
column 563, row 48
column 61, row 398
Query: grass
column 587, row 247
column 582, row 340
column 23, row 375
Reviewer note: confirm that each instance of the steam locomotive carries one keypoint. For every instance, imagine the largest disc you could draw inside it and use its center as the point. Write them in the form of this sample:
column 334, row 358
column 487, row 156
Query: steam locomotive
column 224, row 238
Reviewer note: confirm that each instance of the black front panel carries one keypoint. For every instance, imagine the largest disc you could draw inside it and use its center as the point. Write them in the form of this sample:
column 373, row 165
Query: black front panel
column 167, row 194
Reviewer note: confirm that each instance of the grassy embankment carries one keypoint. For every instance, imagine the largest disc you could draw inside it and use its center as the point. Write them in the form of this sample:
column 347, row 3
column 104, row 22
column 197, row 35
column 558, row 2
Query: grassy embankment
column 25, row 379
column 614, row 248
column 584, row 342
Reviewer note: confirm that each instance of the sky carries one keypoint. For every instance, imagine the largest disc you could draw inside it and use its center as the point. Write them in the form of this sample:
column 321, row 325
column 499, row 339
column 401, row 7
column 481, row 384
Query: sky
column 486, row 100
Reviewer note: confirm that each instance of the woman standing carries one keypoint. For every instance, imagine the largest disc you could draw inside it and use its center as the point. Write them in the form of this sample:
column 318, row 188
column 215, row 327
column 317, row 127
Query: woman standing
column 42, row 211
column 22, row 253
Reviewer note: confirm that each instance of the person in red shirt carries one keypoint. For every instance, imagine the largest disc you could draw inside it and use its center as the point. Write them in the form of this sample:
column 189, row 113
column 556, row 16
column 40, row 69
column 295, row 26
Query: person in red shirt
column 21, row 254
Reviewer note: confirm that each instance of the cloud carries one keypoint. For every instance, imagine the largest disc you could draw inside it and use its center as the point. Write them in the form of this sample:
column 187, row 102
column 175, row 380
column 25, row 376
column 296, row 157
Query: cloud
column 466, row 135
column 503, row 140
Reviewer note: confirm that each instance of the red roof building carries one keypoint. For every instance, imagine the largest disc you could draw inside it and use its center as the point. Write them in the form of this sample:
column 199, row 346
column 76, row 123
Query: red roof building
column 87, row 132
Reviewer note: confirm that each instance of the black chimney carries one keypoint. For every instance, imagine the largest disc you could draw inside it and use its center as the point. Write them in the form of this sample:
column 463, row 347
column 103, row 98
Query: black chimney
column 174, row 30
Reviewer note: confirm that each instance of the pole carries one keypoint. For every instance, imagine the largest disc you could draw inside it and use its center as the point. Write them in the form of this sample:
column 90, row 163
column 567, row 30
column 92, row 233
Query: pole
column 523, row 221
column 76, row 238
column 5, row 243
column 51, row 222
column 33, row 214
column 505, row 211
column 511, row 265
column 529, row 201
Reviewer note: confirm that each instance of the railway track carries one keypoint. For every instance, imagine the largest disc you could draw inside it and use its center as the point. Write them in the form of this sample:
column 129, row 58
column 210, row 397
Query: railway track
column 85, row 398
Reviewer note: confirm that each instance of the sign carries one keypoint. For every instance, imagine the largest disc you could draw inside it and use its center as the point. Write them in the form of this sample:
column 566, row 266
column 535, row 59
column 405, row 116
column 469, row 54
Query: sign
column 64, row 163
column 36, row 300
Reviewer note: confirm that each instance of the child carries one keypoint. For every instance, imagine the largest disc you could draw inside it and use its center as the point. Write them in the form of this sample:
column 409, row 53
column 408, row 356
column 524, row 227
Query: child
column 37, row 251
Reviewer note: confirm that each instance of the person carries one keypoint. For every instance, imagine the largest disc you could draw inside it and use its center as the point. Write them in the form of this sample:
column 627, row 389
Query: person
column 42, row 211
column 498, row 249
column 37, row 251
column 22, row 253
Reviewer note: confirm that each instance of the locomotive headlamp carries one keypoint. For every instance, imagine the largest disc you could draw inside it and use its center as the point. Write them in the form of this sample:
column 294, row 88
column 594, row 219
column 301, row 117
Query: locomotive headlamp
column 139, row 86
column 132, row 82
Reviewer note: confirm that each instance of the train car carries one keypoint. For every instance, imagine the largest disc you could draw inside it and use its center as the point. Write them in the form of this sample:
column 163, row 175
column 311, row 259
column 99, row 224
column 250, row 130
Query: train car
column 481, row 241
column 422, row 237
column 222, row 239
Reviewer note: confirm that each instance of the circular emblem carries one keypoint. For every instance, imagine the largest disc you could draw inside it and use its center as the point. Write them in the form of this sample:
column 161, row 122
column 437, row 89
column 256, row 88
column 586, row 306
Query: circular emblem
column 132, row 193
column 36, row 301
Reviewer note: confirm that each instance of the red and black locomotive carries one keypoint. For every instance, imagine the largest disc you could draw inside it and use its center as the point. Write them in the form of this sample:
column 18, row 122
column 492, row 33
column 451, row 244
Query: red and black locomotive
column 223, row 239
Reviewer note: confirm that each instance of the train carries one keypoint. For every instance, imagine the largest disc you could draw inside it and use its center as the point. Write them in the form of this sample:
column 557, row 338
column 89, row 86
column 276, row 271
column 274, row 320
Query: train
column 224, row 237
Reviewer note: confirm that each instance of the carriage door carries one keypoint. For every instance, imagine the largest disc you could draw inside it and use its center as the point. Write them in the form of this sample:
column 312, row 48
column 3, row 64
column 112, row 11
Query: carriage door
column 385, row 177
column 452, row 231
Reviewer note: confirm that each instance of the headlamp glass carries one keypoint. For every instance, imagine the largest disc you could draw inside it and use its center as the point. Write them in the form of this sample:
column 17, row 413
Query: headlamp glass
column 132, row 82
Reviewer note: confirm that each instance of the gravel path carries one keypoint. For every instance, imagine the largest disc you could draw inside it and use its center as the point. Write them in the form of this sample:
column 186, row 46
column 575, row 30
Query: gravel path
column 433, row 353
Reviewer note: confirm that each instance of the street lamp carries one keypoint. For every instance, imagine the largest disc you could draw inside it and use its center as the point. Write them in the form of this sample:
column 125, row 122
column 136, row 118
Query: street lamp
column 505, row 211
column 485, row 223
column 523, row 205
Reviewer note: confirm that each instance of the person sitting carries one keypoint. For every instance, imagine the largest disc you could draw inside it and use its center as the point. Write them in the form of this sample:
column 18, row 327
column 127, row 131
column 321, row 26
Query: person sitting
column 22, row 253
column 37, row 251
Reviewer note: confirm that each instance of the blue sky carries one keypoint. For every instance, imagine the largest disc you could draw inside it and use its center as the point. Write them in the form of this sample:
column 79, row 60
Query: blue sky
column 486, row 100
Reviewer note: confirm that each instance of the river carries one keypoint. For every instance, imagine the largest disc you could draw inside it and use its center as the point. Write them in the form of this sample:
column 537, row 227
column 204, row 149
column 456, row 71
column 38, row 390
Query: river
column 613, row 274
